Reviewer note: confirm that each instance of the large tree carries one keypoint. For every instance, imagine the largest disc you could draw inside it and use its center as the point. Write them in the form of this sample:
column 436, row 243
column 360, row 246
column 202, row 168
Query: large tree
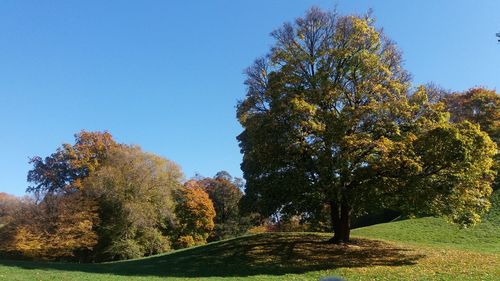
column 329, row 118
column 134, row 191
column 477, row 105
column 9, row 205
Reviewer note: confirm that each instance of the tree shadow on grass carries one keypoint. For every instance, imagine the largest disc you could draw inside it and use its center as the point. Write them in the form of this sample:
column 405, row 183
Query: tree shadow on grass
column 263, row 254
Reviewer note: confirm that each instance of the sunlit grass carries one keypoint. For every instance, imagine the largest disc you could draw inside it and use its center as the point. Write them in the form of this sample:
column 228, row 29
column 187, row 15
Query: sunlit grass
column 484, row 237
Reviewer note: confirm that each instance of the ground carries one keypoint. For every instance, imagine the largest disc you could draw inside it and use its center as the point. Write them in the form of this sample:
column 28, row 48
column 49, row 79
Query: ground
column 416, row 249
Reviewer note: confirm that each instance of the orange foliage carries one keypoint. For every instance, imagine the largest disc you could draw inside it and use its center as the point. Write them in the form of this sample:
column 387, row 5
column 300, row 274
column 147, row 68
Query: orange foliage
column 195, row 212
column 54, row 228
column 88, row 153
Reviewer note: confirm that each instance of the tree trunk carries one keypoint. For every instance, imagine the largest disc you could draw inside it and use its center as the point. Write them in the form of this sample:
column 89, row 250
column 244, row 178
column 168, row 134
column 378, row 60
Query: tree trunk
column 345, row 222
column 335, row 218
column 341, row 222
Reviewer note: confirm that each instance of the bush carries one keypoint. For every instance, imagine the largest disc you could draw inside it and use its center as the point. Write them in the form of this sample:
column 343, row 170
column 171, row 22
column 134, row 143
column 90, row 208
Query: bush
column 153, row 242
column 185, row 241
column 259, row 229
column 125, row 249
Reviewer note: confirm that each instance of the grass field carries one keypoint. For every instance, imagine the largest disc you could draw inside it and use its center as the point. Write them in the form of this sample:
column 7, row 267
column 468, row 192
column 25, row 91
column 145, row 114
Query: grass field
column 419, row 249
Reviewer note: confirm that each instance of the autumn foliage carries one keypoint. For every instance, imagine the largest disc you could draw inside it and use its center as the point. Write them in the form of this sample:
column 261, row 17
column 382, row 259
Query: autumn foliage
column 94, row 200
column 195, row 214
column 58, row 227
column 8, row 207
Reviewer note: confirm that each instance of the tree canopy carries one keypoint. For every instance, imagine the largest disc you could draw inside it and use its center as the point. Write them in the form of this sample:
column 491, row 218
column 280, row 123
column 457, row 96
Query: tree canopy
column 480, row 106
column 134, row 192
column 64, row 169
column 330, row 118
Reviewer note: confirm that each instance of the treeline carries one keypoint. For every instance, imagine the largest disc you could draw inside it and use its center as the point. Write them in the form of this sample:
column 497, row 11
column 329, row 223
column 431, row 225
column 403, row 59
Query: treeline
column 98, row 200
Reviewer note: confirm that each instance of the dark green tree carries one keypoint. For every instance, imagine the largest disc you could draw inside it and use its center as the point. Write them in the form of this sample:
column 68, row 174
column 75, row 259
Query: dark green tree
column 225, row 193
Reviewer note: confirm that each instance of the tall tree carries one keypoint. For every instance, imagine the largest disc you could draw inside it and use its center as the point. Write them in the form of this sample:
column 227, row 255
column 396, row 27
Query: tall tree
column 477, row 105
column 329, row 119
column 131, row 189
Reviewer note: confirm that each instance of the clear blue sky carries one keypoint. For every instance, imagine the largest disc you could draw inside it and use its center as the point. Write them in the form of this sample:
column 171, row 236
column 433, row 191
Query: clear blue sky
column 167, row 75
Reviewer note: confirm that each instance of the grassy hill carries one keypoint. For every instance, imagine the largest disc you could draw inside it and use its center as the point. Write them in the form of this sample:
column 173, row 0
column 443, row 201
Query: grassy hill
column 484, row 237
column 420, row 249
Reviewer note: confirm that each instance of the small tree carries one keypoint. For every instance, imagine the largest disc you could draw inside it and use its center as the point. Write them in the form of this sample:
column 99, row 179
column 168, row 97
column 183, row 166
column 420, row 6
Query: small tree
column 480, row 106
column 225, row 193
column 195, row 213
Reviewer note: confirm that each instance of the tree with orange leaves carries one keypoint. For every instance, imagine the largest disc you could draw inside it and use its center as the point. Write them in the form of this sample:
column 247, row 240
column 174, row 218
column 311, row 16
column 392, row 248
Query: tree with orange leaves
column 195, row 214
column 64, row 170
column 59, row 227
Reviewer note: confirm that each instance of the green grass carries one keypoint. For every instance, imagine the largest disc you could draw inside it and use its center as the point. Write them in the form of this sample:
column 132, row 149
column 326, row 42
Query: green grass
column 484, row 237
column 419, row 249
column 278, row 256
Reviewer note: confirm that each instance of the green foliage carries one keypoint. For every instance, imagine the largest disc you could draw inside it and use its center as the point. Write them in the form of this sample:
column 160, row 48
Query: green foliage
column 124, row 249
column 153, row 242
column 480, row 106
column 329, row 119
column 225, row 193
